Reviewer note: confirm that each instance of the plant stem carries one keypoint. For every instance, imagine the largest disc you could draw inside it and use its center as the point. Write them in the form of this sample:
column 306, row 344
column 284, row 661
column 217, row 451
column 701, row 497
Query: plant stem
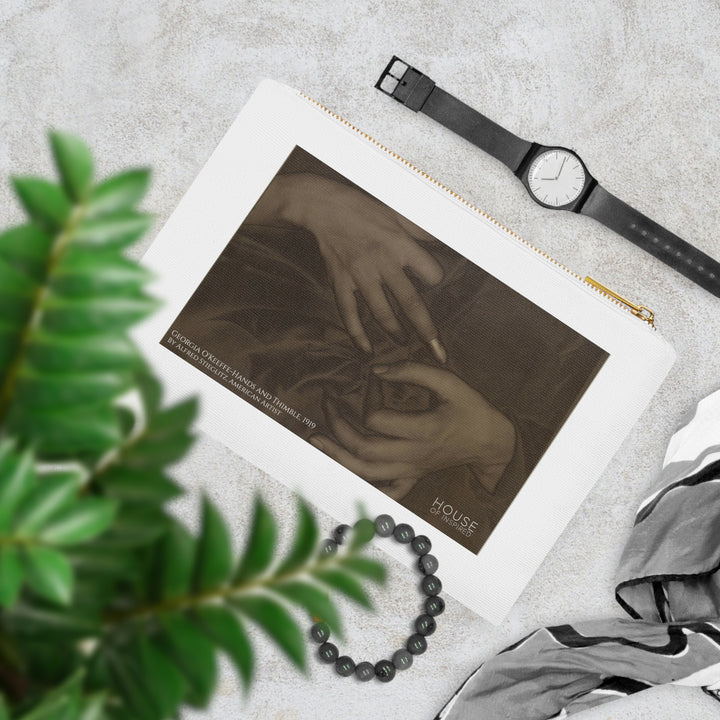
column 63, row 238
column 184, row 602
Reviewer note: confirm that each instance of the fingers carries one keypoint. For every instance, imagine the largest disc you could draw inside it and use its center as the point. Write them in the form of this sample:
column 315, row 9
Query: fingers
column 374, row 294
column 398, row 489
column 344, row 292
column 424, row 265
column 411, row 303
column 408, row 425
column 443, row 382
column 371, row 471
column 370, row 448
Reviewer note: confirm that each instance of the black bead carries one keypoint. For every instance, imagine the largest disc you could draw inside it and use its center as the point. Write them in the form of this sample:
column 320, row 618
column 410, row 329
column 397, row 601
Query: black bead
column 403, row 533
column 320, row 632
column 384, row 670
column 425, row 625
column 344, row 666
column 417, row 644
column 421, row 545
column 340, row 533
column 364, row 671
column 328, row 547
column 434, row 606
column 384, row 525
column 431, row 585
column 402, row 659
column 328, row 653
column 428, row 564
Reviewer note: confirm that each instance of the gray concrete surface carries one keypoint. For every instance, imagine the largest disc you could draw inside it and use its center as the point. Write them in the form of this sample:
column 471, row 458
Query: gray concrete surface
column 633, row 86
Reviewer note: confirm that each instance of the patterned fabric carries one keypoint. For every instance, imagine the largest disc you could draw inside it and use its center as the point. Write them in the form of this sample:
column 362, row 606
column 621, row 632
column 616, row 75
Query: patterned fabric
column 667, row 582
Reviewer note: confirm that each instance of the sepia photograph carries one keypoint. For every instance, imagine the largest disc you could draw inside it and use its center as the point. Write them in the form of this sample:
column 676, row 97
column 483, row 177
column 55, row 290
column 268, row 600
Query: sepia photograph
column 384, row 348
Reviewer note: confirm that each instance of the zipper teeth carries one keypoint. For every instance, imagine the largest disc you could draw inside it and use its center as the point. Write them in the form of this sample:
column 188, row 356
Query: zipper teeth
column 474, row 208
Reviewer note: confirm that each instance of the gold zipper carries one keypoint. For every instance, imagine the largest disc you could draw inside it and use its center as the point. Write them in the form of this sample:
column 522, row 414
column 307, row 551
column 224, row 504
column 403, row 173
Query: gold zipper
column 639, row 311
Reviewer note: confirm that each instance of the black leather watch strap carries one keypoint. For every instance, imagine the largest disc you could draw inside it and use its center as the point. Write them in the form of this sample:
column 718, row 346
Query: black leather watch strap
column 418, row 92
column 653, row 238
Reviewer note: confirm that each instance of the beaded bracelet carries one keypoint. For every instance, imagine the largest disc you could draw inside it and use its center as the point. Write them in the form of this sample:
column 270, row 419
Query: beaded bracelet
column 384, row 670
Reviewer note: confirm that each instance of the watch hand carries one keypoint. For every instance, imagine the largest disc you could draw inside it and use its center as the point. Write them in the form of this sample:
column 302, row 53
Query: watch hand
column 561, row 167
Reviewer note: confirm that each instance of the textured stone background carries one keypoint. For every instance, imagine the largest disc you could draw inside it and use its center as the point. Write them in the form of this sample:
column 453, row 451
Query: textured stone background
column 633, row 86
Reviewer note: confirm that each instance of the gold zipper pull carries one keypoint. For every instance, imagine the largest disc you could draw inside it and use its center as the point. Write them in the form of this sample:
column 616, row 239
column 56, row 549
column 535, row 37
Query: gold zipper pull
column 640, row 311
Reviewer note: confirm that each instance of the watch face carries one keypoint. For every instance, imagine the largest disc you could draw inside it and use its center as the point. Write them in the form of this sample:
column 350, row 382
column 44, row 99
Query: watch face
column 556, row 177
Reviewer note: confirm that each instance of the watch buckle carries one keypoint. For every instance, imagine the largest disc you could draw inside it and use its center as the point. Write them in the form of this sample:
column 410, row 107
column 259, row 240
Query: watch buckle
column 405, row 84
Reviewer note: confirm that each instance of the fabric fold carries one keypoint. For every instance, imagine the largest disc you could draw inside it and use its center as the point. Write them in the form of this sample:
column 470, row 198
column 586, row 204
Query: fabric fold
column 667, row 582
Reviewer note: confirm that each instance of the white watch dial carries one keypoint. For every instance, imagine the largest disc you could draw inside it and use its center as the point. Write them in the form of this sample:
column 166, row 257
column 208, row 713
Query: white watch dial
column 556, row 177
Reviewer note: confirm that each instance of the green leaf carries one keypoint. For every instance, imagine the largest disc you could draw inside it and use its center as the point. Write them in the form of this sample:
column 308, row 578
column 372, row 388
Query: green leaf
column 194, row 653
column 44, row 390
column 225, row 629
column 363, row 532
column 129, row 679
column 136, row 525
column 16, row 309
column 97, row 561
column 10, row 339
column 91, row 352
column 94, row 314
column 74, row 163
column 305, row 542
column 145, row 486
column 11, row 575
column 112, row 231
column 17, row 477
column 260, row 546
column 100, row 591
column 174, row 567
column 81, row 522
column 44, row 202
column 93, row 707
column 50, row 496
column 61, row 703
column 214, row 558
column 49, row 574
column 345, row 583
column 119, row 192
column 150, row 451
column 4, row 712
column 169, row 421
column 315, row 600
column 27, row 248
column 81, row 273
column 13, row 282
column 39, row 621
column 67, row 432
column 275, row 620
column 365, row 567
column 162, row 678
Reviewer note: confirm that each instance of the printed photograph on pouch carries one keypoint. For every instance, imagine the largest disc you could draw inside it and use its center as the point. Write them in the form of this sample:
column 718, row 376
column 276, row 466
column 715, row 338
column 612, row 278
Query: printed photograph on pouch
column 385, row 349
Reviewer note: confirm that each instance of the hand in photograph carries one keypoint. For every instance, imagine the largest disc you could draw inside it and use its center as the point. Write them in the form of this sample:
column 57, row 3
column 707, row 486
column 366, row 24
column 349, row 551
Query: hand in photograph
column 463, row 429
column 368, row 250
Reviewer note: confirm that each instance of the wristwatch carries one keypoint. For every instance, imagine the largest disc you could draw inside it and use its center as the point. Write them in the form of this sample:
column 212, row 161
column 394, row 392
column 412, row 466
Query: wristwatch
column 555, row 177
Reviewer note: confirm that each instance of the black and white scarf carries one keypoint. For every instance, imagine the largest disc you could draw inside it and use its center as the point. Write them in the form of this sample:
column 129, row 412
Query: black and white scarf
column 667, row 583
